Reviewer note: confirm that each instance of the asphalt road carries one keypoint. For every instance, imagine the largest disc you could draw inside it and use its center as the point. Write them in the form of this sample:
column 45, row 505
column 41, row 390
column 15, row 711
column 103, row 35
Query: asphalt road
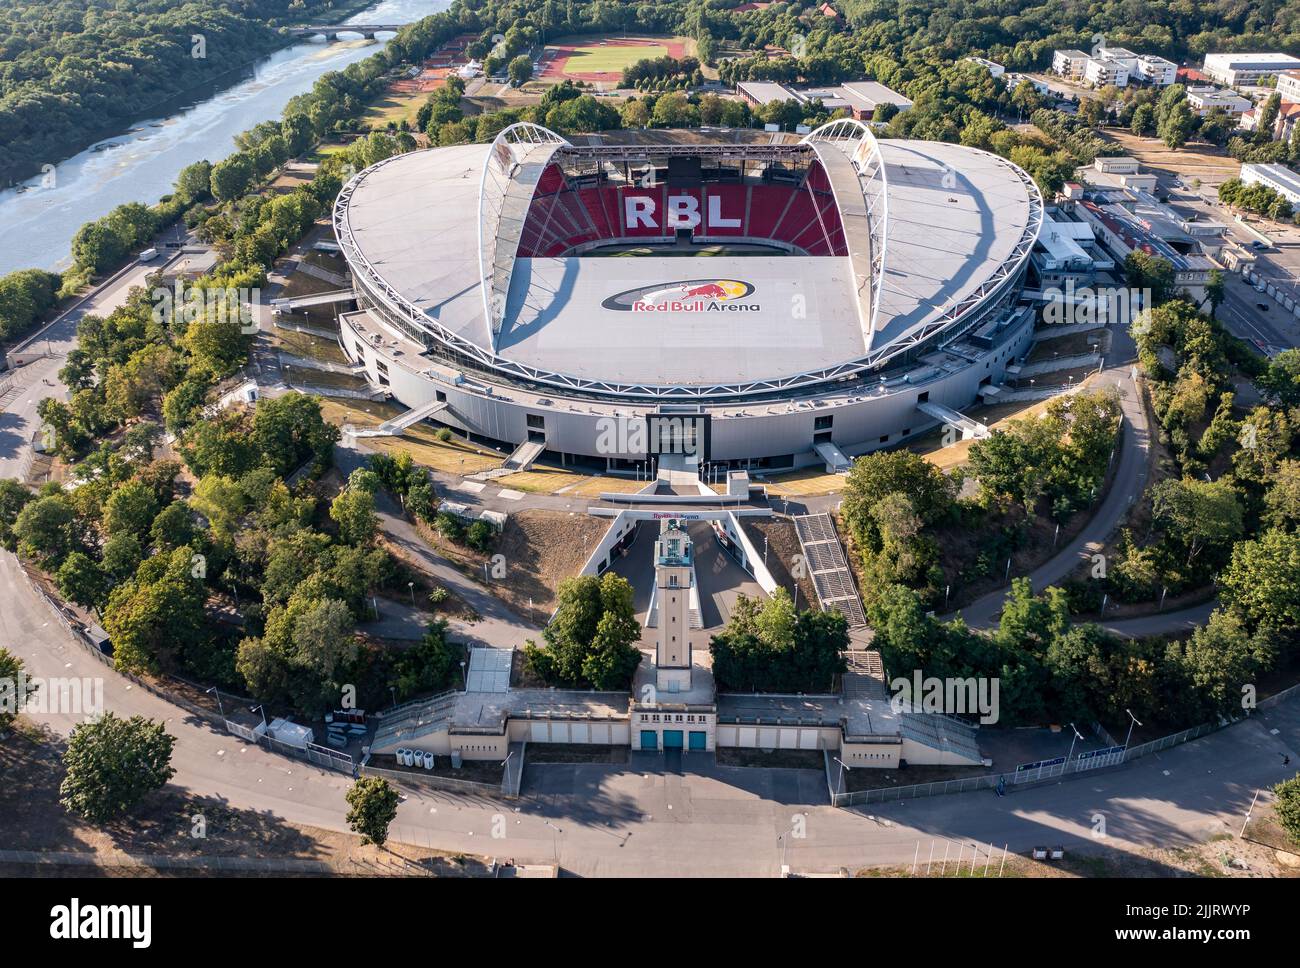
column 1133, row 454
column 40, row 379
column 644, row 820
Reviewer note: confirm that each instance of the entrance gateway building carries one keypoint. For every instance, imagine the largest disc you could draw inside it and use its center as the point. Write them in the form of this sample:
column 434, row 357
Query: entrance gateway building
column 537, row 293
column 674, row 704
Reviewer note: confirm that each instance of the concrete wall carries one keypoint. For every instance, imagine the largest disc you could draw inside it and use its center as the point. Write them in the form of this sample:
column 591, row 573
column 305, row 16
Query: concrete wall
column 863, row 423
column 779, row 737
column 598, row 732
column 874, row 756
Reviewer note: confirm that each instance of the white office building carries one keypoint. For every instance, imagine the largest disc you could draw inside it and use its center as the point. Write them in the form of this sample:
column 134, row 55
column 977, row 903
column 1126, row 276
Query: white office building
column 1280, row 178
column 1238, row 69
column 1203, row 100
column 1288, row 85
column 993, row 67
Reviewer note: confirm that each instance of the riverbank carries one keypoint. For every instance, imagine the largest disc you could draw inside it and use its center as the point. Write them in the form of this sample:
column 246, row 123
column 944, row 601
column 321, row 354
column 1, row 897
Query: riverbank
column 180, row 98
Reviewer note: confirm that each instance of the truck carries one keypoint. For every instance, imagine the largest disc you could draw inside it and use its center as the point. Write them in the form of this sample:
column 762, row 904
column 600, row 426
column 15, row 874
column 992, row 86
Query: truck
column 148, row 255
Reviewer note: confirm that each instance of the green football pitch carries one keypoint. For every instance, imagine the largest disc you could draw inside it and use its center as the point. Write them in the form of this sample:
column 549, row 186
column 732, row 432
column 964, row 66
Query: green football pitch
column 609, row 59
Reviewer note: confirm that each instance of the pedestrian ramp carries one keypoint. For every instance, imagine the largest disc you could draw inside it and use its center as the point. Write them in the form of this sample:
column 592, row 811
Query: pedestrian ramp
column 969, row 427
column 836, row 461
column 524, row 456
column 391, row 428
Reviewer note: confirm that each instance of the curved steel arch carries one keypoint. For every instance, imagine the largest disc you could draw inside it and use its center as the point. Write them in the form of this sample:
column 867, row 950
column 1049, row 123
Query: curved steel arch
column 514, row 163
column 414, row 320
column 856, row 142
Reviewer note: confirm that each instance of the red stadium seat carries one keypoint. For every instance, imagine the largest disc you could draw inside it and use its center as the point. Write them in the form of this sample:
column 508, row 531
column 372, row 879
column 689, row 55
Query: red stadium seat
column 562, row 218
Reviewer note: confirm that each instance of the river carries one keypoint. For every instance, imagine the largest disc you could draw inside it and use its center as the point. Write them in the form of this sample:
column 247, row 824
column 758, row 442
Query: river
column 37, row 225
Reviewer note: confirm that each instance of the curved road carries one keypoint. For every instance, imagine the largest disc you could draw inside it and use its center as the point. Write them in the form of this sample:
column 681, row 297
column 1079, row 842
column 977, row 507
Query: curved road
column 642, row 820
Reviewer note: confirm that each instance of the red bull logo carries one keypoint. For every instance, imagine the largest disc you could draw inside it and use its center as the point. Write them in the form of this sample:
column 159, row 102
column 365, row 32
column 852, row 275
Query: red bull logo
column 691, row 296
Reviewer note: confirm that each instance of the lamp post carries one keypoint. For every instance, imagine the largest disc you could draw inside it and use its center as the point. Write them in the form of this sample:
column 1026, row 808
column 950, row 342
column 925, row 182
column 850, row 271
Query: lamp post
column 1132, row 719
column 840, row 781
column 411, row 585
column 463, row 681
column 555, row 840
column 217, row 692
column 1077, row 736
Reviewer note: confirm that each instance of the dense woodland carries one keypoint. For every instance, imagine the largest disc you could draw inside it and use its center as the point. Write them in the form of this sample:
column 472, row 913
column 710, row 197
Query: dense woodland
column 72, row 71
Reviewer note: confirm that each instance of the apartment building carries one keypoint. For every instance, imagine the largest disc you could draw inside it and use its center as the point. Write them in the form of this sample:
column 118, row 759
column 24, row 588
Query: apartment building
column 1155, row 70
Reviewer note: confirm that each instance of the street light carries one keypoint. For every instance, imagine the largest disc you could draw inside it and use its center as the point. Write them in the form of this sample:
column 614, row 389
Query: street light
column 262, row 710
column 1134, row 719
column 1077, row 736
column 843, row 766
column 411, row 586
column 217, row 692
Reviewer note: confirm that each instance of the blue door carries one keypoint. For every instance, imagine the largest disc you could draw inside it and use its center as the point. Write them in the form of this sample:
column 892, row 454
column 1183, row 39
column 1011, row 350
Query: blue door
column 699, row 741
column 672, row 739
column 649, row 741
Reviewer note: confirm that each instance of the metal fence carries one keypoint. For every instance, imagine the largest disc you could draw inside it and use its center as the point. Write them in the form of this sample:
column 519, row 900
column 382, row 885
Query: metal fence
column 1067, row 770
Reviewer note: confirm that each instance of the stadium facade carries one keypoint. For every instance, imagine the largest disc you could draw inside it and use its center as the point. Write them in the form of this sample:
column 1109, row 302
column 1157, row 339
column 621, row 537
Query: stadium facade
column 538, row 291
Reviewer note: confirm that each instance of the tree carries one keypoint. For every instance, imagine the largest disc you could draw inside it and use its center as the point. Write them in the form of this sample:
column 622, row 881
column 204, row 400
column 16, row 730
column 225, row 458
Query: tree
column 1263, row 581
column 1281, row 381
column 231, row 177
column 13, row 498
column 425, row 667
column 1197, row 514
column 875, row 476
column 592, row 639
column 153, row 617
column 1145, row 271
column 80, row 579
column 46, row 529
column 12, row 699
column 354, row 512
column 1215, row 291
column 194, row 183
column 372, row 808
column 520, row 70
column 1286, row 806
column 112, row 764
column 1266, row 121
column 1177, row 125
column 289, row 429
column 130, row 508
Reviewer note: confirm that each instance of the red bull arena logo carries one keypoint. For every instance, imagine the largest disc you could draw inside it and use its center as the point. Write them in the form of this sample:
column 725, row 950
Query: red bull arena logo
column 691, row 296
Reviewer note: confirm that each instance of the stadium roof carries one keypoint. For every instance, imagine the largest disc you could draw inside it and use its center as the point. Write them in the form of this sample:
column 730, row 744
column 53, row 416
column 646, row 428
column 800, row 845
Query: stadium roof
column 433, row 236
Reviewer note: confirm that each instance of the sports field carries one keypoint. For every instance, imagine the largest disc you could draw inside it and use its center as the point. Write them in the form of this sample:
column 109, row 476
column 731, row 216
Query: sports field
column 603, row 60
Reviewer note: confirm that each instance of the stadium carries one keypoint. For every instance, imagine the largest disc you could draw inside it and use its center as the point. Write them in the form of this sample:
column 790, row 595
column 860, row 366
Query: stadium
column 788, row 302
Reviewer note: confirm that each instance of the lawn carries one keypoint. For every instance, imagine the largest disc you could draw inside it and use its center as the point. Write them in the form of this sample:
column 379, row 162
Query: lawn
column 607, row 59
column 597, row 61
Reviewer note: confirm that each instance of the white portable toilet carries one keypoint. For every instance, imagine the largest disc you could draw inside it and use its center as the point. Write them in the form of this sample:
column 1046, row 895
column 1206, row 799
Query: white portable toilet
column 404, row 757
column 428, row 761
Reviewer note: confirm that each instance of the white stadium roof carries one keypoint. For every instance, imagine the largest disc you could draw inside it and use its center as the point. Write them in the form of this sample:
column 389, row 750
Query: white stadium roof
column 433, row 236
